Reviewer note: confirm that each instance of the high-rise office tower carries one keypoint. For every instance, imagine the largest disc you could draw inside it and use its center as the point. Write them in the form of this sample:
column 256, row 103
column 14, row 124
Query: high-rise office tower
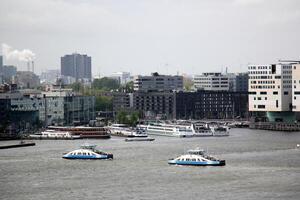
column 77, row 66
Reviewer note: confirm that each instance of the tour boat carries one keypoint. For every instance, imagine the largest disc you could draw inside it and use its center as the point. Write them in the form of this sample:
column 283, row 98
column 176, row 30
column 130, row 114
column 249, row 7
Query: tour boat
column 53, row 134
column 88, row 152
column 197, row 157
column 84, row 131
column 220, row 131
column 121, row 130
column 202, row 130
column 169, row 130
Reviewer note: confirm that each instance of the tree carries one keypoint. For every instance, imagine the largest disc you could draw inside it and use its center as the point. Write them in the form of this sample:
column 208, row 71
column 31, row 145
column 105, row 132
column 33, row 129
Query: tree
column 124, row 117
column 103, row 103
column 105, row 84
column 188, row 83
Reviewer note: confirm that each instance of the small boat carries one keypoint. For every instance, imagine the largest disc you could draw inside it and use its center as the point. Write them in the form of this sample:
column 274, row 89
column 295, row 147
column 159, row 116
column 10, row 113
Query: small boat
column 197, row 157
column 139, row 139
column 88, row 152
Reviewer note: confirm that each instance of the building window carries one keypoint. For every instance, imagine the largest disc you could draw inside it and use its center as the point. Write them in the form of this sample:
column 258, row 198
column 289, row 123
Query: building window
column 261, row 106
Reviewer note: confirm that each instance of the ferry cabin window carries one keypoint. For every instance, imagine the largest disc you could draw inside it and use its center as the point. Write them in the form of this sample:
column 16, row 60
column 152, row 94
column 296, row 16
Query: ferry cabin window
column 193, row 159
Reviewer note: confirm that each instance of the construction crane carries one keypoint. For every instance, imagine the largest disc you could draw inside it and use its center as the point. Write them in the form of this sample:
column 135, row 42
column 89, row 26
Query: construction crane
column 290, row 61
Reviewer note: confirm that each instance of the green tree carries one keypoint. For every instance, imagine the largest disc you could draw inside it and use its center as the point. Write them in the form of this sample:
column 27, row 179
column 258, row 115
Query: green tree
column 188, row 83
column 122, row 117
column 103, row 103
column 105, row 84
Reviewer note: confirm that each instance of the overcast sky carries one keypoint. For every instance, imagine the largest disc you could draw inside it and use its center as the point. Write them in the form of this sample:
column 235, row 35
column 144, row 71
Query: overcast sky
column 168, row 36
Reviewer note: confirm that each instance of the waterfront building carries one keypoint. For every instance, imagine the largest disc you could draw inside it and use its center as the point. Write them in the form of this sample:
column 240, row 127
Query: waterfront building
column 122, row 101
column 212, row 82
column 205, row 104
column 64, row 107
column 236, row 82
column 155, row 104
column 296, row 87
column 77, row 66
column 55, row 107
column 270, row 91
column 241, row 82
column 158, row 83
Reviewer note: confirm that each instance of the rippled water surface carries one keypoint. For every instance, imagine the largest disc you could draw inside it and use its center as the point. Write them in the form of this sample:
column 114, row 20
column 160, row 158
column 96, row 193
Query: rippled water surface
column 259, row 165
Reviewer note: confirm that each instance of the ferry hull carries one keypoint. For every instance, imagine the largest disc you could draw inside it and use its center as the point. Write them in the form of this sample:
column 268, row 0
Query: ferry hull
column 81, row 157
column 211, row 163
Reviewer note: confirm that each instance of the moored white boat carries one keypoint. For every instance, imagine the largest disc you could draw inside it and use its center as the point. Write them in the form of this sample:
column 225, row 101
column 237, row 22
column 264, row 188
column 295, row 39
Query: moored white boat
column 219, row 131
column 121, row 130
column 53, row 134
column 173, row 130
column 202, row 131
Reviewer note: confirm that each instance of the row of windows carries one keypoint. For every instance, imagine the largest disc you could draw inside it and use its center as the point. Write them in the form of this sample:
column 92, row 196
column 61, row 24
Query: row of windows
column 259, row 67
column 260, row 72
column 263, row 87
column 262, row 82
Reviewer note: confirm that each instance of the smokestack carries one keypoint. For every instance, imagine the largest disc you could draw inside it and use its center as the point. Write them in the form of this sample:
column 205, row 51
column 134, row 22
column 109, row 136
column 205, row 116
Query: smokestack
column 28, row 66
column 32, row 63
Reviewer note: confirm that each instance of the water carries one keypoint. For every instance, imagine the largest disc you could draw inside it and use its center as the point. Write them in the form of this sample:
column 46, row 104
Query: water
column 259, row 165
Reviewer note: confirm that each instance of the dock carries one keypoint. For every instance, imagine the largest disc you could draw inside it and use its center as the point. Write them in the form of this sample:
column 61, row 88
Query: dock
column 22, row 144
column 275, row 126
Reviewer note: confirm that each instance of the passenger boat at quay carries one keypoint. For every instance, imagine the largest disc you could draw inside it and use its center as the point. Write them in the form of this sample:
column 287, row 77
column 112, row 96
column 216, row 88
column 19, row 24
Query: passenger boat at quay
column 54, row 134
column 197, row 157
column 202, row 130
column 172, row 130
column 84, row 131
column 126, row 131
column 219, row 131
column 88, row 152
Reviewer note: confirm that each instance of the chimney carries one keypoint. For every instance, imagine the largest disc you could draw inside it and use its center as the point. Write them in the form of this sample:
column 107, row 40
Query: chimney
column 32, row 63
column 28, row 66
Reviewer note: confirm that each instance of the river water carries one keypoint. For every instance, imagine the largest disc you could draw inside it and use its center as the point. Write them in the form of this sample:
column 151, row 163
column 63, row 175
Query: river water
column 259, row 165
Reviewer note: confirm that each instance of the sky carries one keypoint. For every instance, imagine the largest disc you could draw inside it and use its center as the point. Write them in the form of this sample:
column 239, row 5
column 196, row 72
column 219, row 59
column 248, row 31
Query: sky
column 143, row 36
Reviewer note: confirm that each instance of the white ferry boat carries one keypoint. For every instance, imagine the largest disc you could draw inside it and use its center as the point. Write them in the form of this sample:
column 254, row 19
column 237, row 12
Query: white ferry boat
column 88, row 152
column 219, row 131
column 53, row 134
column 169, row 130
column 197, row 157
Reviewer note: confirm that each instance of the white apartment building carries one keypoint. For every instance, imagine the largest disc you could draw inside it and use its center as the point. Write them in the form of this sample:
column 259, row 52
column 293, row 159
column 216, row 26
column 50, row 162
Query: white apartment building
column 158, row 82
column 296, row 87
column 212, row 81
column 270, row 87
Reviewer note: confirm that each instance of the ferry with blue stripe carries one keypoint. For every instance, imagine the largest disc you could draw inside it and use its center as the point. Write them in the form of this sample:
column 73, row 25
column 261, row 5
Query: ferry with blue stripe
column 88, row 152
column 197, row 157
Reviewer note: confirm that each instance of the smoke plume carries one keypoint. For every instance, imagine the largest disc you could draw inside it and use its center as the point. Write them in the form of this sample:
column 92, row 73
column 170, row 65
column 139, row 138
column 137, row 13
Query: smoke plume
column 14, row 54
